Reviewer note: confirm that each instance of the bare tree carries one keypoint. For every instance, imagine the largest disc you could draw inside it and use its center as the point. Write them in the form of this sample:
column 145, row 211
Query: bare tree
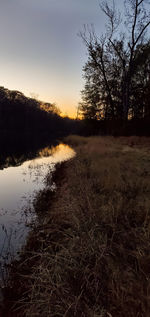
column 119, row 47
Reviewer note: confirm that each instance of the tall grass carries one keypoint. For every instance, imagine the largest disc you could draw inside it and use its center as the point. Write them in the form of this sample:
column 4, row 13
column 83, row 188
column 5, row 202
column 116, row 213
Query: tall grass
column 90, row 256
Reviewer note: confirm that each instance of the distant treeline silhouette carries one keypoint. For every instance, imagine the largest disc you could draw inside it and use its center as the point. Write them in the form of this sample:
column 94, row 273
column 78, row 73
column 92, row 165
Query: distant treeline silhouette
column 28, row 123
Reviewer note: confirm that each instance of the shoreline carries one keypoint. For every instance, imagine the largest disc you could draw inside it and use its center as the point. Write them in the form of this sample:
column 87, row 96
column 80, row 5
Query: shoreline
column 43, row 201
column 90, row 255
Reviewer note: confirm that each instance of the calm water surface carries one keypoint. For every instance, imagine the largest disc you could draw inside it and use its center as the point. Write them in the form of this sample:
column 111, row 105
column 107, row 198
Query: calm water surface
column 18, row 188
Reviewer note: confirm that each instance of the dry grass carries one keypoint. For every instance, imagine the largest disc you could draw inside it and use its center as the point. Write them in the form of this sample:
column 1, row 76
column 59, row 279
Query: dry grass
column 91, row 255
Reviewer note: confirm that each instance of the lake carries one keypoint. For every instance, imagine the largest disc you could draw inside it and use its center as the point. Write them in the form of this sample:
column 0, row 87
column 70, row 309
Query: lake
column 19, row 186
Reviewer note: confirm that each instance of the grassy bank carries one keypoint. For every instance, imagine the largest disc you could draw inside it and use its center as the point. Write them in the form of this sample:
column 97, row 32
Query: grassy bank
column 90, row 254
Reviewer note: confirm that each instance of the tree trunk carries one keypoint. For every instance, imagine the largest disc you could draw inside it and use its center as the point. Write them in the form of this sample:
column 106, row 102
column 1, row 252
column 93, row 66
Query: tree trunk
column 126, row 95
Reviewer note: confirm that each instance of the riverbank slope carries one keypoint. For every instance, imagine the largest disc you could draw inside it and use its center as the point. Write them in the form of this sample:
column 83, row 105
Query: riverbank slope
column 89, row 254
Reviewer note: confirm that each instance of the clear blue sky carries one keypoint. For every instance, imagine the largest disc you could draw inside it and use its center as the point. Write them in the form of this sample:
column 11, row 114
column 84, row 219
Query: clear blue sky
column 40, row 51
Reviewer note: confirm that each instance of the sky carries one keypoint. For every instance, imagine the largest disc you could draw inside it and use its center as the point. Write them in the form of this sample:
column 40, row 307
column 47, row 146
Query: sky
column 41, row 53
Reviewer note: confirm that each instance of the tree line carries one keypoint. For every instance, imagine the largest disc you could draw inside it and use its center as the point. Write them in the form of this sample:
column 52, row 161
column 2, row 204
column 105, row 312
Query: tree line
column 117, row 72
column 27, row 123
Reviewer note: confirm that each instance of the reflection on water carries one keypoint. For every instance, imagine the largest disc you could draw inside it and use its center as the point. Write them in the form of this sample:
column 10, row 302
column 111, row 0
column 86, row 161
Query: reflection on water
column 18, row 187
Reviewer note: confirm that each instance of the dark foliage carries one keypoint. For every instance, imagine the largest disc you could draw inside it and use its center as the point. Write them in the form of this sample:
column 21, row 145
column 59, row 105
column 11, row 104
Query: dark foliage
column 26, row 123
column 140, row 127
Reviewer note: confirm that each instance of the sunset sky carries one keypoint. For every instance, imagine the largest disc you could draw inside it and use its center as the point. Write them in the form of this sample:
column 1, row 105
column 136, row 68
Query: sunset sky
column 41, row 54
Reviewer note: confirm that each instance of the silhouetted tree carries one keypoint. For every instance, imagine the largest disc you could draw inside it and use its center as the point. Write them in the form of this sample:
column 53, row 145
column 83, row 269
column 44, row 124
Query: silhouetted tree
column 115, row 60
column 26, row 122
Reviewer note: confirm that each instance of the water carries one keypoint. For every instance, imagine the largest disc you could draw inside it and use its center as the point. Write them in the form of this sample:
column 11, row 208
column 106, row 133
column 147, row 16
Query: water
column 18, row 188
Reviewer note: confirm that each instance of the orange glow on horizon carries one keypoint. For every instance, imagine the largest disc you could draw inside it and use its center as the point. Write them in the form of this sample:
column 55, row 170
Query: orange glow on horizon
column 69, row 114
column 66, row 104
column 67, row 108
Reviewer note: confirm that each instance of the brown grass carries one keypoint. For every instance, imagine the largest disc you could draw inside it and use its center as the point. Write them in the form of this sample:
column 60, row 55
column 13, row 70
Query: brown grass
column 90, row 257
